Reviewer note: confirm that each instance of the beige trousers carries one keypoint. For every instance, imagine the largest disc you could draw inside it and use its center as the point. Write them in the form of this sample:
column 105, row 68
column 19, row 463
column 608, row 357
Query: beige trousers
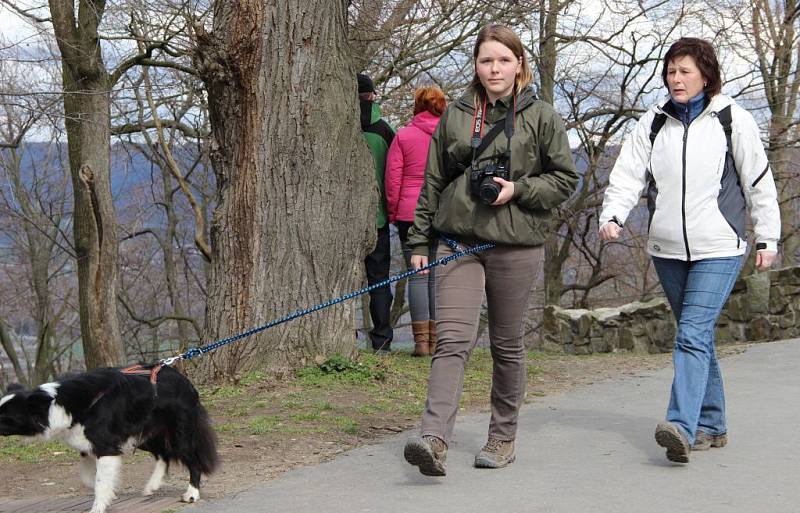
column 506, row 274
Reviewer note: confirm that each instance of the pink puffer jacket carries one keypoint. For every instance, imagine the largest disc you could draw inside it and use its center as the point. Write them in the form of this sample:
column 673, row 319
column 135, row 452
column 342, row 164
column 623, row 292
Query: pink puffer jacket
column 405, row 166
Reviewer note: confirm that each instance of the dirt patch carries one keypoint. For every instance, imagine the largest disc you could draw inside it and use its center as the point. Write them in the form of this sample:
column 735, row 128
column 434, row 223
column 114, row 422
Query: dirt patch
column 268, row 427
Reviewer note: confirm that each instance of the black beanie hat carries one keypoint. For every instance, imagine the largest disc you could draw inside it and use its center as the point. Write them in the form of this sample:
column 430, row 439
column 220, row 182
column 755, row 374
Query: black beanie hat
column 365, row 84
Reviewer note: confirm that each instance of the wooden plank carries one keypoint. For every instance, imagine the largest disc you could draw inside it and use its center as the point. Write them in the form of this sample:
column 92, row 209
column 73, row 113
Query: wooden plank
column 35, row 506
column 139, row 504
column 78, row 504
column 127, row 504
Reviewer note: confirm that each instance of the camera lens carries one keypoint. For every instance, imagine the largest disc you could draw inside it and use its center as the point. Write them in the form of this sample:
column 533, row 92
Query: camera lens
column 488, row 191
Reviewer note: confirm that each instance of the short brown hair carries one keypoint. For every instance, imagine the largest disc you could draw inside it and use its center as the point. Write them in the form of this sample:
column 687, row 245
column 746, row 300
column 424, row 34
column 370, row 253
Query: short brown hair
column 429, row 99
column 510, row 40
column 704, row 57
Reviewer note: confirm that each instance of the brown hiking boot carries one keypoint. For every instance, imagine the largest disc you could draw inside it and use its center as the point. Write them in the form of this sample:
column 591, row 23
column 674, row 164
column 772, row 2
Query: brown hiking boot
column 703, row 441
column 496, row 454
column 671, row 437
column 432, row 336
column 428, row 453
column 421, row 337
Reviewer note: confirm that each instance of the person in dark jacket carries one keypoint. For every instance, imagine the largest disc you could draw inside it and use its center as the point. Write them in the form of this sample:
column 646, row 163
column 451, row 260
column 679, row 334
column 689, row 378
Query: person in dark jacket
column 379, row 136
column 502, row 194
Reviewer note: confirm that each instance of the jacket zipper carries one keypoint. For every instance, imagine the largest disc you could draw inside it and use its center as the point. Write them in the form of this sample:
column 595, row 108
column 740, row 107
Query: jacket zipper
column 683, row 187
column 760, row 176
column 738, row 240
column 683, row 197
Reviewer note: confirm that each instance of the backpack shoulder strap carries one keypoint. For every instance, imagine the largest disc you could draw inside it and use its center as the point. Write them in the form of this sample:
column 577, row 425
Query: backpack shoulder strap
column 725, row 119
column 656, row 125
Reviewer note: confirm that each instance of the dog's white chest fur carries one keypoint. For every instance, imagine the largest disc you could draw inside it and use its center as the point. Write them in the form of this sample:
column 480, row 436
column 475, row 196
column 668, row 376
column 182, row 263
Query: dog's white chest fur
column 60, row 426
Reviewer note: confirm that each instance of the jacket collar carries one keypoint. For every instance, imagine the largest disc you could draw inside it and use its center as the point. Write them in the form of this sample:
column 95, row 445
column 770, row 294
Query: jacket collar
column 370, row 113
column 525, row 99
column 687, row 112
column 714, row 104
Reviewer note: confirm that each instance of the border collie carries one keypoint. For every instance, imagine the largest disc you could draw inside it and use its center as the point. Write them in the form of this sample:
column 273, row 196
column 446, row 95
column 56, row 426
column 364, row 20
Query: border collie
column 106, row 413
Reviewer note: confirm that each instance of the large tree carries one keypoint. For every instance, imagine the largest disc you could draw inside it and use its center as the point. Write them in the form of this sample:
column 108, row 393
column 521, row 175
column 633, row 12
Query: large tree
column 774, row 39
column 296, row 192
column 87, row 86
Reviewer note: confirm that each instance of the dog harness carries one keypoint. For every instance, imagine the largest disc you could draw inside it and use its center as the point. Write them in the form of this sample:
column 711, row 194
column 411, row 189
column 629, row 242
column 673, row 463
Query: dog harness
column 141, row 370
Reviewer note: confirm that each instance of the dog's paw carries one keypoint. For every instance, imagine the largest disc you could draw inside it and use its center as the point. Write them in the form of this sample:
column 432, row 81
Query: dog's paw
column 147, row 492
column 191, row 495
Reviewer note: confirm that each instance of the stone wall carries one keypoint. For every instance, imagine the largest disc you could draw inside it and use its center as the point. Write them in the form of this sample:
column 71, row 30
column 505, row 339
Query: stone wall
column 764, row 306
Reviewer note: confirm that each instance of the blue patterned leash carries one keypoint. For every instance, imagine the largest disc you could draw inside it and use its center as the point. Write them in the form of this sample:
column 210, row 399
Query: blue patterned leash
column 459, row 252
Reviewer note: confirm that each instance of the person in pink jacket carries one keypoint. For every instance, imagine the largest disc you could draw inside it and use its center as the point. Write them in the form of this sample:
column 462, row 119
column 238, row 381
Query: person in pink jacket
column 405, row 174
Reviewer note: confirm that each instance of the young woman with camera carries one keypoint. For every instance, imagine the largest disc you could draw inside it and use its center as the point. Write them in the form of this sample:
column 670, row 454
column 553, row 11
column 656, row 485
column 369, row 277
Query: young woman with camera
column 498, row 162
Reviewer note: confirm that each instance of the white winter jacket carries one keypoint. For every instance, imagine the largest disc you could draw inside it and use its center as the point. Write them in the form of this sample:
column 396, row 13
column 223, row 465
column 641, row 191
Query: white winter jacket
column 699, row 198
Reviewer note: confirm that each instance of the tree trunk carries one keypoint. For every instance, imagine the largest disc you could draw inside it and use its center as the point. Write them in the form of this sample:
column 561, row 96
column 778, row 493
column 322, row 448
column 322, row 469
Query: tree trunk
column 546, row 63
column 556, row 252
column 773, row 29
column 8, row 346
column 170, row 264
column 87, row 119
column 296, row 192
column 546, row 67
column 40, row 233
column 785, row 183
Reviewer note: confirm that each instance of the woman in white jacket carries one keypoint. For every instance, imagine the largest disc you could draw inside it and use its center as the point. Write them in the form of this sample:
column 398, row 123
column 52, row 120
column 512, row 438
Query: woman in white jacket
column 700, row 158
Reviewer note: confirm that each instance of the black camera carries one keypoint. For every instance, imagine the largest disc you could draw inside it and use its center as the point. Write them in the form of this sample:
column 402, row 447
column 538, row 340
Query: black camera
column 481, row 181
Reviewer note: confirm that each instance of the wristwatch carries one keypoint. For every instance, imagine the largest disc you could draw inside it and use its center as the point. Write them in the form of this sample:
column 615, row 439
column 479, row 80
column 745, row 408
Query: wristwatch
column 761, row 245
column 616, row 221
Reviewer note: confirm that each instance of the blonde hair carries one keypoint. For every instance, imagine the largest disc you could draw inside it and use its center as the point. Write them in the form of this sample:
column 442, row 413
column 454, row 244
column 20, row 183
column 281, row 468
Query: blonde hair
column 510, row 40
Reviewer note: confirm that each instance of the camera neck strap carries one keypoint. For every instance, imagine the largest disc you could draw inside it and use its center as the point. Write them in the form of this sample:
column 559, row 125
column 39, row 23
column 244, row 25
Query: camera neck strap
column 478, row 143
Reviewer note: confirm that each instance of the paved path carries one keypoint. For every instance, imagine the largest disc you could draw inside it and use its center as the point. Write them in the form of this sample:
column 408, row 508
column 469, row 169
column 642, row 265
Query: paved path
column 587, row 451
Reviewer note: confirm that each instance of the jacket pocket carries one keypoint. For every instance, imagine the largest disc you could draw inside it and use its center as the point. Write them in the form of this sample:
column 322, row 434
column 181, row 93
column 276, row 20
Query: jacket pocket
column 738, row 240
column 454, row 212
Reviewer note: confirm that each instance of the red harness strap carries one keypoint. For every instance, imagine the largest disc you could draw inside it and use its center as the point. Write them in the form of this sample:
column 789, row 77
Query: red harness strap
column 140, row 370
column 135, row 370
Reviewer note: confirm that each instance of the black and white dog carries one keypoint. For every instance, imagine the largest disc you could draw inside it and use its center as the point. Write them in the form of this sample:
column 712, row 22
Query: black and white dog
column 106, row 413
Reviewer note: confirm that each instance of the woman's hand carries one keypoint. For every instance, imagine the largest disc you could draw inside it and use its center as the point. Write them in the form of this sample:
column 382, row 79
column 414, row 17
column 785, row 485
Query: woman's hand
column 610, row 231
column 419, row 261
column 765, row 258
column 506, row 191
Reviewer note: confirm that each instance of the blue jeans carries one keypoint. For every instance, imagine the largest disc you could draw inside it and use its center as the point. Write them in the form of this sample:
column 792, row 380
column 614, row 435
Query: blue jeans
column 697, row 291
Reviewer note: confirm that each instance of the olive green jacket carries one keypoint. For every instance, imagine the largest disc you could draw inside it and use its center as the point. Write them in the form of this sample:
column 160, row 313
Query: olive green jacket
column 541, row 168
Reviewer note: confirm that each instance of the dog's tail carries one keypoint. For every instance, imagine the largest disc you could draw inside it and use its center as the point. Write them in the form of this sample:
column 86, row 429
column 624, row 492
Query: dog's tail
column 207, row 456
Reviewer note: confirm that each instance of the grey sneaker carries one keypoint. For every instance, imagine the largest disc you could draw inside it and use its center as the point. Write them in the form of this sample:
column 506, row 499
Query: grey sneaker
column 703, row 441
column 670, row 436
column 496, row 454
column 428, row 453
